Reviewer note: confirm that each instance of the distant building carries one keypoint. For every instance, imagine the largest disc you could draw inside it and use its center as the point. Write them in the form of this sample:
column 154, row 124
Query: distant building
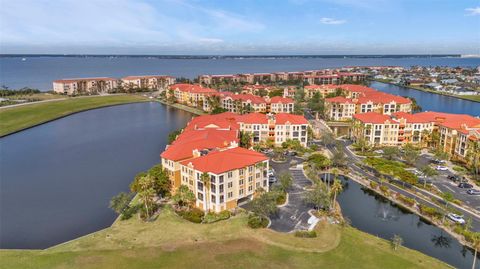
column 155, row 82
column 76, row 86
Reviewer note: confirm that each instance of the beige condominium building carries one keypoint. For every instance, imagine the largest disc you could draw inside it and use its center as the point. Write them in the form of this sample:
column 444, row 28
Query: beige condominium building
column 151, row 82
column 73, row 86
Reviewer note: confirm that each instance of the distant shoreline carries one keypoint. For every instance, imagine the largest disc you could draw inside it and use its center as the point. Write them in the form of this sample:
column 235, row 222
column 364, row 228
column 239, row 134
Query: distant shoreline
column 285, row 56
column 429, row 91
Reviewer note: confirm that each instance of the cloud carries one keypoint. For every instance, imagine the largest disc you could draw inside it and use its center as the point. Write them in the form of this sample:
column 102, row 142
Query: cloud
column 473, row 11
column 332, row 21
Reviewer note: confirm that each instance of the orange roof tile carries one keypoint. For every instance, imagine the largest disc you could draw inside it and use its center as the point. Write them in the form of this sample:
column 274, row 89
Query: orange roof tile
column 373, row 117
column 282, row 118
column 221, row 161
column 282, row 100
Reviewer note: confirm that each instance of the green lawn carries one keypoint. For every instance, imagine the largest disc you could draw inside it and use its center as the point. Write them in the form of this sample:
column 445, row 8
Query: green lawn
column 171, row 242
column 18, row 118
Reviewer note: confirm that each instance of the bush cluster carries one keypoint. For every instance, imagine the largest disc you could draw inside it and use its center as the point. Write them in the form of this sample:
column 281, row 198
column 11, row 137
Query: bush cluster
column 212, row 217
column 406, row 200
column 430, row 211
column 129, row 212
column 394, row 168
column 306, row 234
column 255, row 221
column 373, row 184
column 194, row 215
column 384, row 189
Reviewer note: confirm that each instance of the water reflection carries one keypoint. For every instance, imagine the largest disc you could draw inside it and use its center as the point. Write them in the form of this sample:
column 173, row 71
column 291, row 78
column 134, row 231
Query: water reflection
column 441, row 241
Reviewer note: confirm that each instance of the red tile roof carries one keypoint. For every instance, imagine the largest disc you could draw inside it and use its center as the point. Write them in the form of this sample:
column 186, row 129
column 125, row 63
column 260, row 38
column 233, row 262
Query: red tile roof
column 221, row 161
column 282, row 118
column 282, row 100
column 146, row 76
column 192, row 88
column 70, row 80
column 253, row 118
column 254, row 99
column 453, row 121
column 339, row 99
column 373, row 117
column 410, row 118
column 190, row 140
column 226, row 120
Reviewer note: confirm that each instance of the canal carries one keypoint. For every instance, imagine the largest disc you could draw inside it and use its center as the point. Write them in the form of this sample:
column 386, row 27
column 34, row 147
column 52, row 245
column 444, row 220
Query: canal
column 376, row 215
column 431, row 101
column 57, row 178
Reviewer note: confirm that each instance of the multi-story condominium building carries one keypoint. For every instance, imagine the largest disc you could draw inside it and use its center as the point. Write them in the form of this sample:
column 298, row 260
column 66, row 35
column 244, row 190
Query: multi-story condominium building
column 413, row 128
column 256, row 88
column 277, row 128
column 457, row 132
column 321, row 79
column 189, row 94
column 375, row 128
column 155, row 82
column 324, row 90
column 220, row 179
column 278, row 104
column 216, row 79
column 362, row 101
column 75, row 86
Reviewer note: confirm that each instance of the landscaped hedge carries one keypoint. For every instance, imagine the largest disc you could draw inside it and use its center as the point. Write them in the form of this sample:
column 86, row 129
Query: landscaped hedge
column 255, row 221
column 306, row 234
column 194, row 215
column 430, row 211
column 212, row 217
column 394, row 168
column 406, row 200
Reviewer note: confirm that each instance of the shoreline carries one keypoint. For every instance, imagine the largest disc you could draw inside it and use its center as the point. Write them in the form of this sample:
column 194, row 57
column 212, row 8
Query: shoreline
column 69, row 114
column 192, row 110
column 426, row 90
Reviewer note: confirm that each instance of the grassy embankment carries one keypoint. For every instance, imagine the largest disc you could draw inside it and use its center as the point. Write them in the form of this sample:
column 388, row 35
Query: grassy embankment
column 475, row 98
column 18, row 118
column 172, row 242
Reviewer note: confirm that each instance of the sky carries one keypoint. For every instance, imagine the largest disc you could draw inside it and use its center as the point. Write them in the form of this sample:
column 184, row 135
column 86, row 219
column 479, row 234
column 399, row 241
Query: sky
column 229, row 27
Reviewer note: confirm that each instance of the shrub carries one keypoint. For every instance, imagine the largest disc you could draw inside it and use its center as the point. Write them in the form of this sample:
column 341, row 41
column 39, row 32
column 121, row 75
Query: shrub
column 212, row 217
column 306, row 234
column 384, row 189
column 373, row 184
column 406, row 200
column 430, row 211
column 281, row 197
column 129, row 212
column 256, row 221
column 194, row 215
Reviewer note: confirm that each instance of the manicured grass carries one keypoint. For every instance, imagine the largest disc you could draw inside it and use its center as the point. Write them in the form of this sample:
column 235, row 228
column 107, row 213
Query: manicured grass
column 21, row 117
column 171, row 242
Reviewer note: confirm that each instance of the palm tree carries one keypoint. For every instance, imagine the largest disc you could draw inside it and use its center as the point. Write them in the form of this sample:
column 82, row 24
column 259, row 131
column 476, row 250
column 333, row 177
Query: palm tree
column 146, row 191
column 476, row 246
column 336, row 188
column 473, row 157
column 205, row 178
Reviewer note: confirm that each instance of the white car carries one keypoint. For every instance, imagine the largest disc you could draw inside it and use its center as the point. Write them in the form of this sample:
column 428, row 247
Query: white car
column 271, row 173
column 441, row 168
column 456, row 218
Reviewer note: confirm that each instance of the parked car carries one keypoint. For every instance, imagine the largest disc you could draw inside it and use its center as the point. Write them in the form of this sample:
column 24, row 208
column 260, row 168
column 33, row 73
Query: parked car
column 473, row 192
column 456, row 218
column 438, row 161
column 271, row 173
column 441, row 168
column 464, row 185
column 453, row 178
column 272, row 179
column 290, row 153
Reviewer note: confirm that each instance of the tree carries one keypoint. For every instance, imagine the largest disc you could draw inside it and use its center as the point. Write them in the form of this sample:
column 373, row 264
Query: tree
column 410, row 154
column 428, row 172
column 338, row 158
column 264, row 205
column 184, row 197
column 473, row 157
column 318, row 196
column 278, row 154
column 361, row 144
column 245, row 140
column 390, row 153
column 205, row 178
column 162, row 184
column 396, row 242
column 476, row 246
column 327, row 139
column 441, row 155
column 447, row 198
column 316, row 104
column 120, row 202
column 285, row 180
column 146, row 192
column 336, row 188
column 415, row 106
column 173, row 135
column 318, row 161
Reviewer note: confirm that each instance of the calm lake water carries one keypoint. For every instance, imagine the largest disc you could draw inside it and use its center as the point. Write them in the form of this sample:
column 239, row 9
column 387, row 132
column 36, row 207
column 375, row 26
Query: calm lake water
column 377, row 216
column 57, row 179
column 430, row 101
column 39, row 72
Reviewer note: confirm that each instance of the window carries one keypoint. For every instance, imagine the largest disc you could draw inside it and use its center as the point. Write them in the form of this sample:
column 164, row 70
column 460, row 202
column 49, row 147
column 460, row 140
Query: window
column 213, row 187
column 250, row 179
column 250, row 168
column 200, row 196
column 240, row 172
column 230, row 195
column 250, row 188
column 200, row 185
column 240, row 192
column 240, row 182
column 229, row 175
column 220, row 188
column 221, row 199
column 229, row 185
column 214, row 199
